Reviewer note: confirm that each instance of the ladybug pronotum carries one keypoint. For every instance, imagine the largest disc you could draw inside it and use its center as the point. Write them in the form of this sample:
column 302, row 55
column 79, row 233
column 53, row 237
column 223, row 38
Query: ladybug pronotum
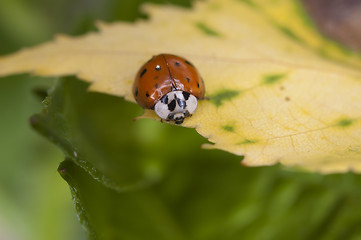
column 170, row 85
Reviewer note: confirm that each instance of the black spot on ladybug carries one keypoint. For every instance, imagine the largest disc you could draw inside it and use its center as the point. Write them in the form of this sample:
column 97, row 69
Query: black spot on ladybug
column 190, row 64
column 182, row 104
column 197, row 85
column 143, row 72
column 185, row 95
column 188, row 79
column 172, row 105
column 147, row 94
column 158, row 68
column 136, row 92
column 156, row 85
column 177, row 64
column 165, row 99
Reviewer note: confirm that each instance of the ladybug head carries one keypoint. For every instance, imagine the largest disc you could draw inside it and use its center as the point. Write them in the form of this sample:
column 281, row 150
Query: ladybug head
column 175, row 106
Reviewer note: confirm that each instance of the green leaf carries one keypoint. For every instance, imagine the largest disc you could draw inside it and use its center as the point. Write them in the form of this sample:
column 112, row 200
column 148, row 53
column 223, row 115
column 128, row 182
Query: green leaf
column 98, row 133
column 183, row 207
column 107, row 214
column 89, row 129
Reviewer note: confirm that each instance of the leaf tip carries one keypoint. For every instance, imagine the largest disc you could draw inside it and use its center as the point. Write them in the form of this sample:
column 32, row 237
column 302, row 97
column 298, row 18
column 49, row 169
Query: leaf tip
column 65, row 169
column 62, row 169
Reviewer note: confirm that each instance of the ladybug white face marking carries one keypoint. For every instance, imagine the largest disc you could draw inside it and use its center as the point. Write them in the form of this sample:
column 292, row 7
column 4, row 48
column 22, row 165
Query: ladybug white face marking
column 175, row 106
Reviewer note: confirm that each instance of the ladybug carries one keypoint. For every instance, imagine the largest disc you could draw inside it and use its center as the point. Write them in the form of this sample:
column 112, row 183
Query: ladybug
column 170, row 85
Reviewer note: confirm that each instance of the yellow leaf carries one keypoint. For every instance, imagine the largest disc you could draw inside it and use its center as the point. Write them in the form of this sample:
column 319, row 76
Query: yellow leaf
column 278, row 91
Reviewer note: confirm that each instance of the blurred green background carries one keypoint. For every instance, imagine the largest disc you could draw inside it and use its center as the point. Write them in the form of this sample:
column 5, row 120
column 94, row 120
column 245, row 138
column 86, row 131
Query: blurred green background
column 198, row 194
